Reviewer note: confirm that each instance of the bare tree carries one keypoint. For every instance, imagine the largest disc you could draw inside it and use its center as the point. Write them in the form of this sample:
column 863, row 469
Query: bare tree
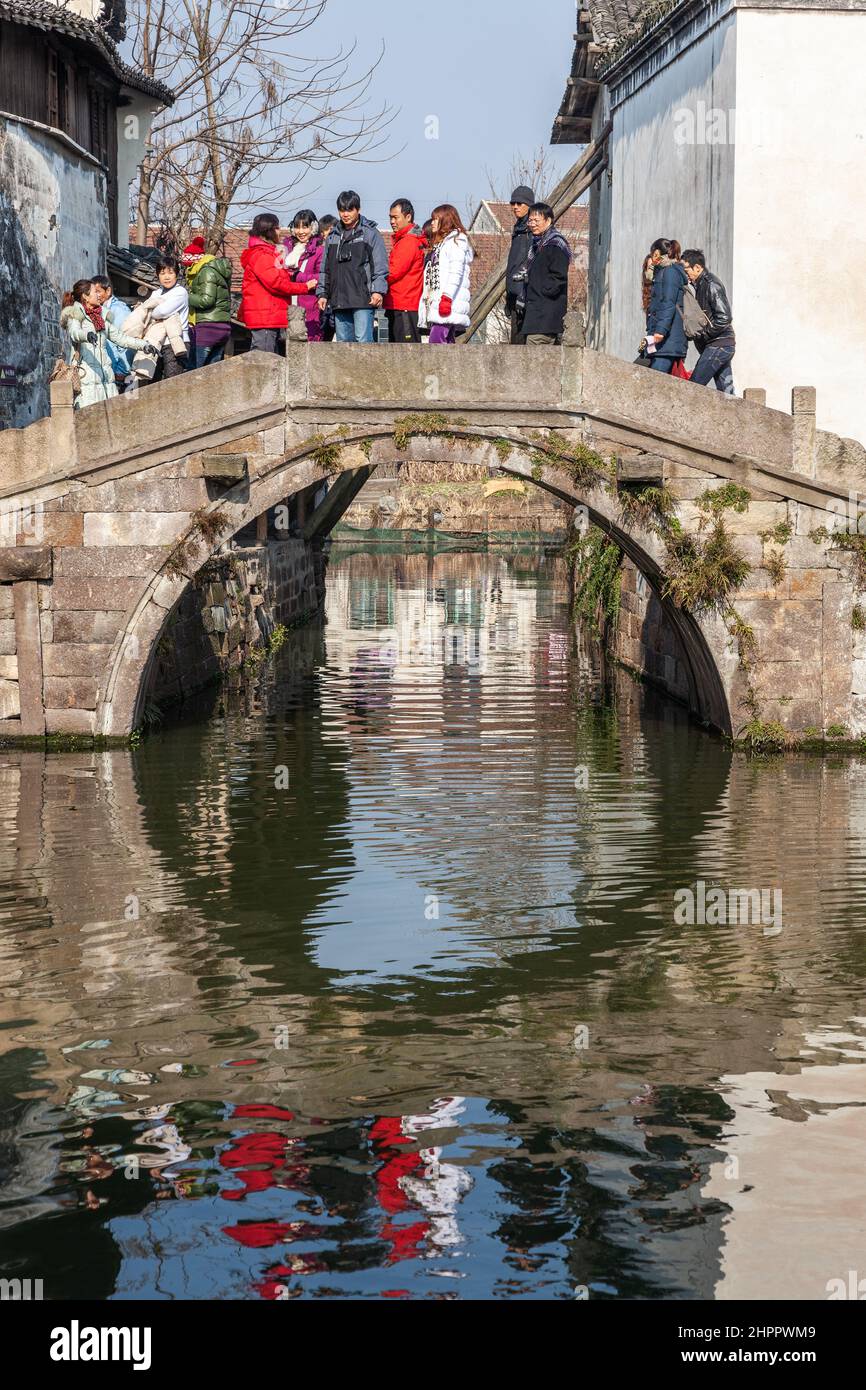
column 534, row 168
column 247, row 103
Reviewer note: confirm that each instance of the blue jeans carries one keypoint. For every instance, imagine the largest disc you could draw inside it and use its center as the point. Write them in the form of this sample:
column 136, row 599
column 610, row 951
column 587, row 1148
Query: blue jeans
column 203, row 356
column 661, row 364
column 354, row 325
column 714, row 366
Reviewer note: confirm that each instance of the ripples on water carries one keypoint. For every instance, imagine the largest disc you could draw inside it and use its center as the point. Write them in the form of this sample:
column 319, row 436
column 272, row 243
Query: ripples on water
column 421, row 1023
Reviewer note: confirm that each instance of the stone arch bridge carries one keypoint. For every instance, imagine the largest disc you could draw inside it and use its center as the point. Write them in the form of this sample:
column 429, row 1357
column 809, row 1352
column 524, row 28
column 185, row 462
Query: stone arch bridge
column 108, row 513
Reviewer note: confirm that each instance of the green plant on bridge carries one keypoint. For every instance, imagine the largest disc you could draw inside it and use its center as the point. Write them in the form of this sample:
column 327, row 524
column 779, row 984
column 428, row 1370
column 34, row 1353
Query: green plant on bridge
column 653, row 508
column 206, row 526
column 585, row 466
column 429, row 426
column 259, row 655
column 730, row 497
column 595, row 563
column 774, row 564
column 704, row 571
column 326, row 452
column 764, row 737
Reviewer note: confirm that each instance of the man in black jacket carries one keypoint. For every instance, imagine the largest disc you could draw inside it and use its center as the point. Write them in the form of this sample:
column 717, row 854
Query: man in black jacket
column 717, row 344
column 547, row 279
column 521, row 242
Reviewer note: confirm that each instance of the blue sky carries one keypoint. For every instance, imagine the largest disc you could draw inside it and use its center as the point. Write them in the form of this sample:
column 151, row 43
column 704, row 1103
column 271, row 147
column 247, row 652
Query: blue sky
column 491, row 71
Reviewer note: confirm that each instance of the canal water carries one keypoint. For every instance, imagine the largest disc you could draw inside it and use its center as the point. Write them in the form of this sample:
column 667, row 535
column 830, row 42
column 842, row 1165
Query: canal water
column 385, row 982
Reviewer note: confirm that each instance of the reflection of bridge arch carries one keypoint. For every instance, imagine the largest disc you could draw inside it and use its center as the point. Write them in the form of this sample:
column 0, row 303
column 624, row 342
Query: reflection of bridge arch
column 702, row 643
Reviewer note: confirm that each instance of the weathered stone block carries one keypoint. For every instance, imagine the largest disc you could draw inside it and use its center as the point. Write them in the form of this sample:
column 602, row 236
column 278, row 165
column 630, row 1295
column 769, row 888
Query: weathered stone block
column 25, row 562
column 84, row 626
column 10, row 702
column 146, row 420
column 71, row 692
column 28, row 644
column 55, row 528
column 69, row 721
column 6, row 601
column 222, row 468
column 786, row 629
column 134, row 528
column 7, row 636
column 110, row 562
column 75, row 659
column 499, row 374
column 9, row 668
column 105, row 594
column 836, row 652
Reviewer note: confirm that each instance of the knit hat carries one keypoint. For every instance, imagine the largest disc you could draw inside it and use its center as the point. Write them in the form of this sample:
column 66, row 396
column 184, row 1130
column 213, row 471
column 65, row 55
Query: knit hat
column 192, row 252
column 523, row 194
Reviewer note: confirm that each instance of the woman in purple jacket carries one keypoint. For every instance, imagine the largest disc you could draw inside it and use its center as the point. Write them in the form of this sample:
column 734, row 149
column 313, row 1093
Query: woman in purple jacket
column 303, row 254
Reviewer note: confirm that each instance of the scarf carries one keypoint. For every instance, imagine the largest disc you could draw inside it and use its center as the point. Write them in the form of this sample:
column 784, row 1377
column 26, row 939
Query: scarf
column 549, row 238
column 94, row 313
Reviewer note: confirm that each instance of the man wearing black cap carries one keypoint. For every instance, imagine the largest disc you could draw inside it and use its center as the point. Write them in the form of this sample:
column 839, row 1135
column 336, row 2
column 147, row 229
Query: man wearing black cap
column 521, row 243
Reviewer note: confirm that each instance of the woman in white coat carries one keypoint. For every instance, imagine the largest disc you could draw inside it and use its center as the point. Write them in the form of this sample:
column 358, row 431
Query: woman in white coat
column 89, row 334
column 446, row 298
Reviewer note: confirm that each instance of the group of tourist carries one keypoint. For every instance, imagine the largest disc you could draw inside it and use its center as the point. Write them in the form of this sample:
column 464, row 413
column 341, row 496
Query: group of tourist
column 683, row 302
column 184, row 322
column 340, row 272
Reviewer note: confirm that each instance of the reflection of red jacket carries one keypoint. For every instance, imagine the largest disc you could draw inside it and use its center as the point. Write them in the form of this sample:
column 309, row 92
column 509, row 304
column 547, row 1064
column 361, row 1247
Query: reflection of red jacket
column 398, row 1162
column 406, row 269
column 267, row 288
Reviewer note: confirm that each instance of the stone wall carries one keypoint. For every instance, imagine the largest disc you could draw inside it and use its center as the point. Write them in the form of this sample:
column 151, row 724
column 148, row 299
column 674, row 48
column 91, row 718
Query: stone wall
column 53, row 231
column 231, row 608
column 643, row 639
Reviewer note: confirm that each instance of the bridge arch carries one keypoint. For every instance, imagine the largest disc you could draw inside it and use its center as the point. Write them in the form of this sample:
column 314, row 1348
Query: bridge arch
column 703, row 642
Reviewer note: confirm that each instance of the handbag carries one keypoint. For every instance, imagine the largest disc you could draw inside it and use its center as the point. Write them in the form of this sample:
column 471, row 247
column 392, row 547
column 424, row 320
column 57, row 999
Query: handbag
column 695, row 321
column 69, row 371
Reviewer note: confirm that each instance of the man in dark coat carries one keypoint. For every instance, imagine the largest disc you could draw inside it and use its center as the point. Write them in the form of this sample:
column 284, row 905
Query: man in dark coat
column 521, row 243
column 665, row 330
column 717, row 344
column 546, row 287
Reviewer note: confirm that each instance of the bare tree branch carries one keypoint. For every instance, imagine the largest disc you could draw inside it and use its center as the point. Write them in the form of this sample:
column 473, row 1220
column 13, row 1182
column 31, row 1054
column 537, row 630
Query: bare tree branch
column 247, row 104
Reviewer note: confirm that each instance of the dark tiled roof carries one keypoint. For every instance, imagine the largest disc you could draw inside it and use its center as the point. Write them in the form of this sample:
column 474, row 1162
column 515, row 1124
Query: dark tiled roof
column 55, row 18
column 136, row 263
column 618, row 24
column 612, row 20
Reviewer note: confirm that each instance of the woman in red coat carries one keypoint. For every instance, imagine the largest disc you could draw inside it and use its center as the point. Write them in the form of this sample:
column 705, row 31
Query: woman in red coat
column 267, row 287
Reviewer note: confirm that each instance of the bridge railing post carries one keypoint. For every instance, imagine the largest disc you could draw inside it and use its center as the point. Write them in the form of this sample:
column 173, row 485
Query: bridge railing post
column 63, row 447
column 804, row 411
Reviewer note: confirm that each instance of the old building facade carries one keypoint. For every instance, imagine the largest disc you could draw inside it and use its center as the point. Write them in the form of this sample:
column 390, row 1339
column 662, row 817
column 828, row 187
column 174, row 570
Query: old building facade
column 739, row 128
column 74, row 121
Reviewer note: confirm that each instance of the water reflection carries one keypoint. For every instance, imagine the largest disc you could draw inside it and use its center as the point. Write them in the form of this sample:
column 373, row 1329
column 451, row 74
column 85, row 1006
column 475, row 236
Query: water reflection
column 323, row 1035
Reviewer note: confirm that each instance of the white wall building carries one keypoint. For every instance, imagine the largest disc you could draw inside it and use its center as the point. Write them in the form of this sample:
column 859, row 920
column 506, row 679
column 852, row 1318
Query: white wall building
column 74, row 124
column 739, row 127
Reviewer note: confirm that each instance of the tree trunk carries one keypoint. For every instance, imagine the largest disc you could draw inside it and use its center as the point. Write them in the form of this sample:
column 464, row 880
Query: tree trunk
column 145, row 188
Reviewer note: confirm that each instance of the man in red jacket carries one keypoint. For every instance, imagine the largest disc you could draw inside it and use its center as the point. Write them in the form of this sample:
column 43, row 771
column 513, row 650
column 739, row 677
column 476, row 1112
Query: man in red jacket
column 405, row 274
